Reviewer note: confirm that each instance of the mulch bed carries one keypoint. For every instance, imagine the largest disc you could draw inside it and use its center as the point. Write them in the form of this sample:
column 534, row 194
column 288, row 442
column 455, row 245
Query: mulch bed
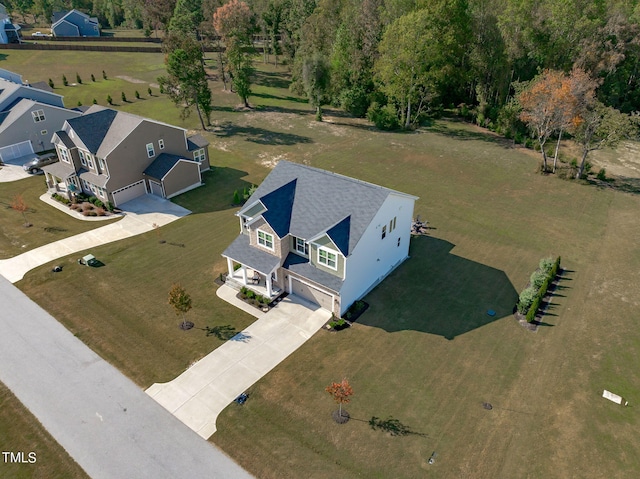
column 340, row 419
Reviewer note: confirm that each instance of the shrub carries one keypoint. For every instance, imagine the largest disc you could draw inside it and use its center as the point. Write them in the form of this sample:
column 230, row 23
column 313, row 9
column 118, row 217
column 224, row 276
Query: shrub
column 101, row 212
column 355, row 100
column 236, row 197
column 93, row 78
column 123, row 96
column 137, row 95
column 244, row 290
column 109, row 100
column 545, row 265
column 95, row 102
column 337, row 323
column 64, row 81
column 78, row 79
column 51, row 84
column 531, row 314
column 92, row 199
column 99, row 204
column 104, row 75
column 384, row 117
column 251, row 294
column 109, row 206
column 79, row 103
column 526, row 299
column 149, row 91
column 602, row 174
column 537, row 278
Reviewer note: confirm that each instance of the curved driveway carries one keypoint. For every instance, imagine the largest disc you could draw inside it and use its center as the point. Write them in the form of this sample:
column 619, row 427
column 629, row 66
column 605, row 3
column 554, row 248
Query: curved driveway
column 105, row 422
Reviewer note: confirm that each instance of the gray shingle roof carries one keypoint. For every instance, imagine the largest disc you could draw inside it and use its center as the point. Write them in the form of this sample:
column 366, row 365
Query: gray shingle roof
column 301, row 266
column 64, row 138
column 196, row 142
column 98, row 180
column 240, row 250
column 323, row 200
column 162, row 164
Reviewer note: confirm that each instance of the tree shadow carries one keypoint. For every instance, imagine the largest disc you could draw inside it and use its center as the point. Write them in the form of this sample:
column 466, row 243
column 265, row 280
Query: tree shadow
column 281, row 98
column 3, row 56
column 439, row 293
column 260, row 135
column 465, row 135
column 393, row 427
column 223, row 333
column 272, row 79
column 241, row 337
column 217, row 194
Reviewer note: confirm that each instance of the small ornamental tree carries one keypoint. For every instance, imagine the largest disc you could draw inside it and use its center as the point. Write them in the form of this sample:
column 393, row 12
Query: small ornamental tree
column 109, row 100
column 124, row 97
column 93, row 78
column 180, row 301
column 64, row 80
column 341, row 393
column 51, row 84
column 18, row 204
column 137, row 95
column 149, row 91
column 104, row 75
column 78, row 79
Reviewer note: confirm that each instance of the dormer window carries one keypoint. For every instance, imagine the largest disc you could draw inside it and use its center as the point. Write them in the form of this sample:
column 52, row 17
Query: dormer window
column 64, row 154
column 327, row 258
column 265, row 239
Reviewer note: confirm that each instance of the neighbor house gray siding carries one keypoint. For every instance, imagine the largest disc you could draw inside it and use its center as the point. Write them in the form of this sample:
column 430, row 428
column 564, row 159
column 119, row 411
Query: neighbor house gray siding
column 74, row 24
column 66, row 29
column 182, row 176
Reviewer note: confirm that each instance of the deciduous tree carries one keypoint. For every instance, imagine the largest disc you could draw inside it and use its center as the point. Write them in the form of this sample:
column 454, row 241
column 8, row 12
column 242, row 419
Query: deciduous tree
column 180, row 301
column 341, row 393
column 18, row 204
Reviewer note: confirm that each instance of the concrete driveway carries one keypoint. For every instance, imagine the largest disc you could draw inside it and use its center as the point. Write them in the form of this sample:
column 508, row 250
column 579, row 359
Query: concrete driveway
column 140, row 215
column 12, row 173
column 104, row 421
column 198, row 395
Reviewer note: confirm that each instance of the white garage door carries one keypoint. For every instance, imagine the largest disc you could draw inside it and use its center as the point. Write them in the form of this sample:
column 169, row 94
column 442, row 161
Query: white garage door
column 156, row 189
column 324, row 300
column 129, row 192
column 16, row 151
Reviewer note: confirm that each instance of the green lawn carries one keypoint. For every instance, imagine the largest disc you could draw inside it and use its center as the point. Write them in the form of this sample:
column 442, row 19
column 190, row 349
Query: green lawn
column 425, row 353
column 48, row 224
column 20, row 431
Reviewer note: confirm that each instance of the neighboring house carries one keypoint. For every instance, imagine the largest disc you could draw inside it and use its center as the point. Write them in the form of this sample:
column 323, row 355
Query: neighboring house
column 28, row 117
column 323, row 236
column 117, row 157
column 74, row 23
column 9, row 31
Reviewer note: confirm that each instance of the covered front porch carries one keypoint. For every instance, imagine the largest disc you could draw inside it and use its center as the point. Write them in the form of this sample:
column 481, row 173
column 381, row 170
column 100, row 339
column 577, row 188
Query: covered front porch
column 264, row 284
column 60, row 180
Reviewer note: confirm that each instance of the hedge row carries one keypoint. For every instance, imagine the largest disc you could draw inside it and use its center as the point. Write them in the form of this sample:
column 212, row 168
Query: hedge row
column 531, row 297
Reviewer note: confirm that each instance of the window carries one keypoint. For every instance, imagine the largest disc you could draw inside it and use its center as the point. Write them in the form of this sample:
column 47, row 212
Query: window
column 103, row 167
column 43, row 132
column 161, row 144
column 398, row 241
column 85, row 185
column 101, row 191
column 64, row 154
column 150, row 151
column 301, row 247
column 38, row 116
column 83, row 160
column 89, row 159
column 327, row 258
column 265, row 239
column 394, row 222
column 199, row 155
column 384, row 231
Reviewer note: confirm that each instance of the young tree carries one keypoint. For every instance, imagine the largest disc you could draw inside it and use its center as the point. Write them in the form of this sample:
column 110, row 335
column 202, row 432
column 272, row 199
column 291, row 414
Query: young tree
column 601, row 126
column 18, row 204
column 180, row 301
column 341, row 393
column 186, row 82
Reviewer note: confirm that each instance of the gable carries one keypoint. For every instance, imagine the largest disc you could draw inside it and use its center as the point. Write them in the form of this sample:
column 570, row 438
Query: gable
column 279, row 204
column 92, row 129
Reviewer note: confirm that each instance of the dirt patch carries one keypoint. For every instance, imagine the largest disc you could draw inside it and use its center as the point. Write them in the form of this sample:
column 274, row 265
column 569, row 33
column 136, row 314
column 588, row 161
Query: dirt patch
column 131, row 79
column 270, row 161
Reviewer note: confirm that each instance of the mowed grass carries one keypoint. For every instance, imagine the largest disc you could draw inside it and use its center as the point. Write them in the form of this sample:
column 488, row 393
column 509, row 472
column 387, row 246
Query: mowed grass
column 425, row 353
column 48, row 224
column 20, row 431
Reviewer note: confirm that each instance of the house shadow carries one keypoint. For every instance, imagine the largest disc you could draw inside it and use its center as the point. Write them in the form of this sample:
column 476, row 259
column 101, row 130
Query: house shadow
column 438, row 292
column 220, row 183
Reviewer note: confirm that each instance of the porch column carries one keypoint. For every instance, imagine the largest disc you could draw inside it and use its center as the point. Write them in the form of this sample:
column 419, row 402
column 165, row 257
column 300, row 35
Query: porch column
column 230, row 266
column 269, row 285
column 244, row 274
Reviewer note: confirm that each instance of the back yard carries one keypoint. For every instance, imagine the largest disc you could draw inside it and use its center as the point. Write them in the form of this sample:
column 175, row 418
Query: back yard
column 425, row 353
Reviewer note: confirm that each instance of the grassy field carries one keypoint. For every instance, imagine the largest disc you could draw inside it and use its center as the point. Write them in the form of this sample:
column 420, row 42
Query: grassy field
column 48, row 224
column 425, row 353
column 21, row 432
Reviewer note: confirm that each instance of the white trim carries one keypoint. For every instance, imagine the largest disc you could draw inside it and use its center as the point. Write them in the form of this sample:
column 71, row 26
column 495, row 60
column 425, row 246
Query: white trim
column 176, row 164
column 305, row 246
column 204, row 155
column 184, row 190
column 329, row 251
column 38, row 115
column 273, row 242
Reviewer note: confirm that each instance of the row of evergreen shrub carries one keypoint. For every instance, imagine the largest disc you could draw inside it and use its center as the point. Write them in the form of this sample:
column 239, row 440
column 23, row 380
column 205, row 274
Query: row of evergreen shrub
column 531, row 297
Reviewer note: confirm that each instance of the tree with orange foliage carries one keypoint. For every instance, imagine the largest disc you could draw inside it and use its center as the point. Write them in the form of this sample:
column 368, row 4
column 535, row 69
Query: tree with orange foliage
column 18, row 204
column 554, row 102
column 341, row 392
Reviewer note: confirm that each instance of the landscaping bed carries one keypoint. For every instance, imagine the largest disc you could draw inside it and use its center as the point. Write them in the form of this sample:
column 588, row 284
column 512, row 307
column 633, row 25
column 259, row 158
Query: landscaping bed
column 261, row 302
column 353, row 313
column 87, row 205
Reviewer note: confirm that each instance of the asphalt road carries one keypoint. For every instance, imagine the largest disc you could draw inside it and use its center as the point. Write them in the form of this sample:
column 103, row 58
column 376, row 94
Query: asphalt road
column 105, row 422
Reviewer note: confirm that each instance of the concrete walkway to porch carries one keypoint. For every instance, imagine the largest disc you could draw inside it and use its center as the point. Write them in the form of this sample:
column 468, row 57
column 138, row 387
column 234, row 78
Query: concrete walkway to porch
column 198, row 395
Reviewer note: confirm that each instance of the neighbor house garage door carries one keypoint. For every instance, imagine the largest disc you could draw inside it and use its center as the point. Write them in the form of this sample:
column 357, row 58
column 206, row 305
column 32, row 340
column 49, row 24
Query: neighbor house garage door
column 312, row 294
column 129, row 192
column 156, row 189
column 15, row 151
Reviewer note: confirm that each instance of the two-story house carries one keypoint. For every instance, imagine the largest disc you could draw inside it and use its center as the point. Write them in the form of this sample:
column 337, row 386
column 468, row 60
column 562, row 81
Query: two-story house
column 28, row 117
column 74, row 23
column 325, row 237
column 118, row 156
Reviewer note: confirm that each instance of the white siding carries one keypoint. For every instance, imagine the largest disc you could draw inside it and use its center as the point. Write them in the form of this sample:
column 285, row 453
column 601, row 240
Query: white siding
column 373, row 258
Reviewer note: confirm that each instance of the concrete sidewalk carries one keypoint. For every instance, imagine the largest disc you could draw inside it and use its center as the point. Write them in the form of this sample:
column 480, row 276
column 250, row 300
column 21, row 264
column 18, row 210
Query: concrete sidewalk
column 140, row 216
column 198, row 395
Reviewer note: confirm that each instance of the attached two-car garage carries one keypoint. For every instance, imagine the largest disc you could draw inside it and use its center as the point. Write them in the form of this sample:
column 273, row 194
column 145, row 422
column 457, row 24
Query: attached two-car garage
column 311, row 293
column 129, row 192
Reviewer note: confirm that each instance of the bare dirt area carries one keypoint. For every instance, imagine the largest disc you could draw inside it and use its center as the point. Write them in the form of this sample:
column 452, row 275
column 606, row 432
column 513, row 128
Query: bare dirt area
column 130, row 79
